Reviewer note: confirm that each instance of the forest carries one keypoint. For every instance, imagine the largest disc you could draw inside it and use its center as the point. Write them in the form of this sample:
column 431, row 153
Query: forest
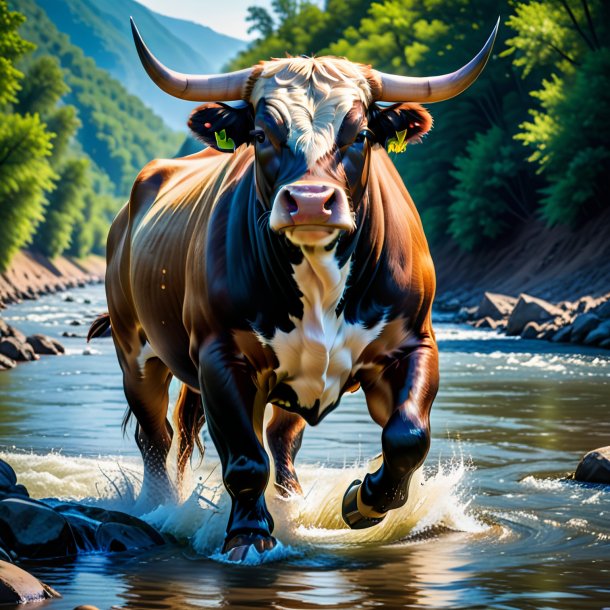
column 529, row 139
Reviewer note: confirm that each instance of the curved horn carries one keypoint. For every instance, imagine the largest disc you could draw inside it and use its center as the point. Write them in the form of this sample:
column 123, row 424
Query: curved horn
column 435, row 88
column 193, row 87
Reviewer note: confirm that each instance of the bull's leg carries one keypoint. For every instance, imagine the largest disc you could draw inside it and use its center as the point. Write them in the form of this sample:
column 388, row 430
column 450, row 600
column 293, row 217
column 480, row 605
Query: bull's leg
column 284, row 436
column 146, row 390
column 400, row 401
column 188, row 421
column 229, row 400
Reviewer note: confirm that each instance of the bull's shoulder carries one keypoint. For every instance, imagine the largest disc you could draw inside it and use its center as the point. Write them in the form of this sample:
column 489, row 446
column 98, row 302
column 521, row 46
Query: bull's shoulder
column 149, row 183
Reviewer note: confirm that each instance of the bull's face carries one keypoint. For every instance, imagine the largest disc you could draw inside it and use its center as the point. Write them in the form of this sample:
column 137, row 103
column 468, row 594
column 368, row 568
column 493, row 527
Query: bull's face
column 313, row 124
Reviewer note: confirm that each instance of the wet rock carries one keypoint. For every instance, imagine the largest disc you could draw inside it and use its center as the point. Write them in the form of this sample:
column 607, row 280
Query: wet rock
column 495, row 306
column 563, row 334
column 33, row 530
column 594, row 467
column 485, row 323
column 71, row 335
column 69, row 299
column 6, row 330
column 76, row 323
column 45, row 345
column 19, row 587
column 582, row 326
column 531, row 330
column 466, row 314
column 14, row 349
column 8, row 482
column 6, row 363
column 598, row 334
column 530, row 309
column 107, row 530
column 603, row 310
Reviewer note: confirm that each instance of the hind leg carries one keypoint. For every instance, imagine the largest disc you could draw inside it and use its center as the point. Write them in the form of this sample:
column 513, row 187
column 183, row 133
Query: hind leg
column 146, row 390
column 189, row 418
column 284, row 436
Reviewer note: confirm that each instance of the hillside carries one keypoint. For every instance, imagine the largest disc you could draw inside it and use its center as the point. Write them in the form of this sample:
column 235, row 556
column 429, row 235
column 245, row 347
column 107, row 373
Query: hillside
column 119, row 133
column 101, row 29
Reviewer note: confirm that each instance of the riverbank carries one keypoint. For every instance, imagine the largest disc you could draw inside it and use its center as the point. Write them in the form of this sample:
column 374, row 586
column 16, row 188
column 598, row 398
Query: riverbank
column 31, row 275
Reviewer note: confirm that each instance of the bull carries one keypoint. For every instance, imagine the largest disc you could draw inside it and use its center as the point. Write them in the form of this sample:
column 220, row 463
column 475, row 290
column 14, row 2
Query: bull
column 286, row 273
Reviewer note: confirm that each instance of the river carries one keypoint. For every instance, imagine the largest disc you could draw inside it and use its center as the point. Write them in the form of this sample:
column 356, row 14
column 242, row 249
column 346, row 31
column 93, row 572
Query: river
column 491, row 522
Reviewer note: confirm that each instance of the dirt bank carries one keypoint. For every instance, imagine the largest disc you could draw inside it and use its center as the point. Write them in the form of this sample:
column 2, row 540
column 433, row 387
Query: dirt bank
column 555, row 264
column 31, row 275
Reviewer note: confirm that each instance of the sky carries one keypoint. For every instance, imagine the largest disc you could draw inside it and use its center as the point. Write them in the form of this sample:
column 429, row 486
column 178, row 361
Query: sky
column 224, row 16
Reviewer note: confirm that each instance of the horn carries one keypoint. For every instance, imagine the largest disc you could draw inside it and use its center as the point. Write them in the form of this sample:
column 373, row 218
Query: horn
column 193, row 87
column 434, row 88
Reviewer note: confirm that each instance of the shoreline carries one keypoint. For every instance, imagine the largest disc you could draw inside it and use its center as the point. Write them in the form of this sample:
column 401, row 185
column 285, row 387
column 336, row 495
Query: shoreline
column 31, row 275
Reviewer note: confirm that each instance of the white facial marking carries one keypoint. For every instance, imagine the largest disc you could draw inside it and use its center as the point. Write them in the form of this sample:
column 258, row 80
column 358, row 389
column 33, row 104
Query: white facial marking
column 313, row 96
column 317, row 357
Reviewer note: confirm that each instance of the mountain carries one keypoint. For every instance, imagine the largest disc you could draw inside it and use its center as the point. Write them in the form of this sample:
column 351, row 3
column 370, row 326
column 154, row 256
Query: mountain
column 101, row 29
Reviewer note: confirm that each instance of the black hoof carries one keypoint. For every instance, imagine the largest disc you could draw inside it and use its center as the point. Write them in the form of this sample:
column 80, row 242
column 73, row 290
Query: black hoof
column 237, row 548
column 349, row 509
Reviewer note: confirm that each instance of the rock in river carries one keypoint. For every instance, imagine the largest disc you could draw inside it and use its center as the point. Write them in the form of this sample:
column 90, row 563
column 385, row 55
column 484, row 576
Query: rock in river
column 530, row 309
column 495, row 306
column 19, row 587
column 45, row 345
column 594, row 467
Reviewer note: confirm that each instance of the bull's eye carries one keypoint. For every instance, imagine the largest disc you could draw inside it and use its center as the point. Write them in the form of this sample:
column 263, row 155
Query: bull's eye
column 258, row 135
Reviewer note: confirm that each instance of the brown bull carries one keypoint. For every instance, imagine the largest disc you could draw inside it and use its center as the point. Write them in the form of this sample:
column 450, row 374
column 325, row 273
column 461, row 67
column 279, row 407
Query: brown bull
column 288, row 272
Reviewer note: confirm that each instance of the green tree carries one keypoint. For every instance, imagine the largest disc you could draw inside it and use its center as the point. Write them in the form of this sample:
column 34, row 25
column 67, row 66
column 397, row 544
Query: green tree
column 25, row 176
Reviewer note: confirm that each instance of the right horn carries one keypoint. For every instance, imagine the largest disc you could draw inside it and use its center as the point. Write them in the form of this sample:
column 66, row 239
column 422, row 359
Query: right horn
column 434, row 88
column 193, row 87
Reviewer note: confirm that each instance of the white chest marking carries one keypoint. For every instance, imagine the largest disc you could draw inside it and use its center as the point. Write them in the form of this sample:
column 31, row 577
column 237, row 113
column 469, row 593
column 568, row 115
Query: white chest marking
column 146, row 353
column 319, row 354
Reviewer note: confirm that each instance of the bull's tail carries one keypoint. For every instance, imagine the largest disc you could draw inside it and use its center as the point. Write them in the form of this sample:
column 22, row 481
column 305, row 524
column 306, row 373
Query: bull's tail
column 189, row 418
column 100, row 327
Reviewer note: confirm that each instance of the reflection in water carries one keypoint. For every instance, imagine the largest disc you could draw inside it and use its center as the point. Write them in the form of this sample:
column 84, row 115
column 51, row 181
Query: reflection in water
column 505, row 531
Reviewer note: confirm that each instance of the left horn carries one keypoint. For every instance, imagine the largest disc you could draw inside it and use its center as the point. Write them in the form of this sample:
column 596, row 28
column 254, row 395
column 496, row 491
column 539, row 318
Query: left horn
column 434, row 88
column 193, row 87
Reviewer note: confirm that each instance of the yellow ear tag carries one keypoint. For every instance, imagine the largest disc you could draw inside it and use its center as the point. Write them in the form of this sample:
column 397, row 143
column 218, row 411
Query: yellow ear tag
column 223, row 142
column 398, row 144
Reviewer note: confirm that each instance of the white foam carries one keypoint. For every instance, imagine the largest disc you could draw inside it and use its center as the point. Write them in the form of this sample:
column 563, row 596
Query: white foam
column 304, row 526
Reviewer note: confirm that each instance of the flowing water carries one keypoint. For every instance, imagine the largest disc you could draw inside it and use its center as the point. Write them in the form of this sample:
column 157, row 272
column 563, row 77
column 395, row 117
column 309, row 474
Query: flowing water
column 491, row 522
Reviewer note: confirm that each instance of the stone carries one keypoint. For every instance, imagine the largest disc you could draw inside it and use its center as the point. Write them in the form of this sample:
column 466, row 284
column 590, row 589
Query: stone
column 583, row 325
column 563, row 334
column 603, row 310
column 86, row 607
column 530, row 309
column 598, row 334
column 6, row 330
column 45, row 345
column 594, row 467
column 12, row 348
column 19, row 587
column 495, row 306
column 466, row 314
column 8, row 478
column 33, row 530
column 531, row 330
column 6, row 363
column 485, row 323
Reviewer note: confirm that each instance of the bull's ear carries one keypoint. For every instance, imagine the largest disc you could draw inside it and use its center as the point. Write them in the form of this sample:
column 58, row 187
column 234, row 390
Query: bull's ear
column 222, row 126
column 398, row 124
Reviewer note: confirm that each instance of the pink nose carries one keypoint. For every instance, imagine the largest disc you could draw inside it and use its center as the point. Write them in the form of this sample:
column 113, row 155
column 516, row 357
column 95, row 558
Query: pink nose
column 310, row 203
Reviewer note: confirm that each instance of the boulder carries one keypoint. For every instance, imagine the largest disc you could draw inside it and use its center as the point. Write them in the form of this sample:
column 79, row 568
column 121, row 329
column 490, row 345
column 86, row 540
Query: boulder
column 485, row 323
column 531, row 330
column 563, row 334
column 583, row 325
column 6, row 363
column 594, row 466
column 6, row 330
column 598, row 334
column 14, row 349
column 45, row 345
column 495, row 306
column 603, row 311
column 530, row 309
column 33, row 530
column 8, row 482
column 19, row 587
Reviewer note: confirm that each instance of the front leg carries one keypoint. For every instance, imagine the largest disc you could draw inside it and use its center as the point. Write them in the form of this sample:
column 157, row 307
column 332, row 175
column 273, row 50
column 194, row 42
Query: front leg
column 399, row 400
column 229, row 394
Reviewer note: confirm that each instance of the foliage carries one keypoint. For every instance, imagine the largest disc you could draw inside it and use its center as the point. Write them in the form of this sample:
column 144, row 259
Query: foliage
column 569, row 127
column 25, row 175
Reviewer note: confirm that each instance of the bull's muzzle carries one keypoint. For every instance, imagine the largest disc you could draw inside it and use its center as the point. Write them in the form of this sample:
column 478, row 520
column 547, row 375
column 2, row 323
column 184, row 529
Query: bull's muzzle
column 312, row 208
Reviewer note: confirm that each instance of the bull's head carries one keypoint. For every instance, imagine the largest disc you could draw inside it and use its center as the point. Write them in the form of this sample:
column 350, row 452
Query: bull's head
column 312, row 122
